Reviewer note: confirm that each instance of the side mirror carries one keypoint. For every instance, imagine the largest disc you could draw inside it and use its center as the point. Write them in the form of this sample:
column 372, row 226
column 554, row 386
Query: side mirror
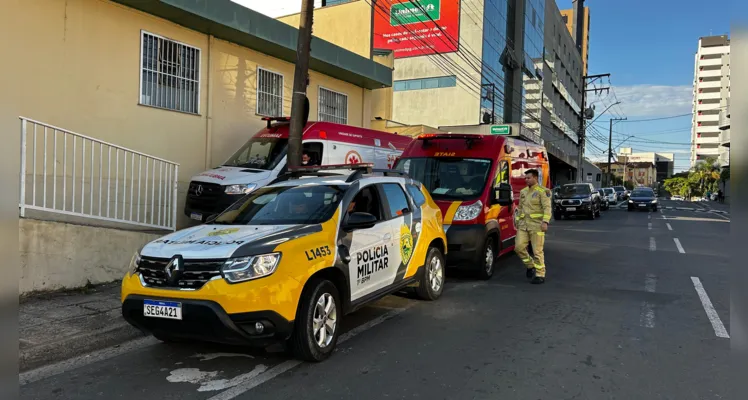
column 359, row 220
column 503, row 195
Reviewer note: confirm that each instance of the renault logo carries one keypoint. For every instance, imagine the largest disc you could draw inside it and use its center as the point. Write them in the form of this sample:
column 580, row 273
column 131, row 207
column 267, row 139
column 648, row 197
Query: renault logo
column 174, row 269
column 199, row 190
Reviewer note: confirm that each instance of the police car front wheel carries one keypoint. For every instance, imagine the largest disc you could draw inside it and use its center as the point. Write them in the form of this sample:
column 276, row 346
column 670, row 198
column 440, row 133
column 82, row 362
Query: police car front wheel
column 317, row 324
column 431, row 284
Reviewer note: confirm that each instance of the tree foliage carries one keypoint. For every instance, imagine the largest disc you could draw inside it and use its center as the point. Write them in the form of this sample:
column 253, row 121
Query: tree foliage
column 703, row 177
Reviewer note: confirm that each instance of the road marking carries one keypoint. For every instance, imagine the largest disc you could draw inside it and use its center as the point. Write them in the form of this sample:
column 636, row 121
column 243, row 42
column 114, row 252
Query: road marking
column 719, row 215
column 711, row 313
column 290, row 364
column 649, row 226
column 647, row 317
column 649, row 216
column 77, row 362
column 680, row 247
column 670, row 228
column 652, row 244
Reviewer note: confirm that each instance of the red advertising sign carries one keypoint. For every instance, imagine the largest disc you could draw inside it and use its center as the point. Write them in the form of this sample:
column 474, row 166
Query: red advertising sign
column 417, row 27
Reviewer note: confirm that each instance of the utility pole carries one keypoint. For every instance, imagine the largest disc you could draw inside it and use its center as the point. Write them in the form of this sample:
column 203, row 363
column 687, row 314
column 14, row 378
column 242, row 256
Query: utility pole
column 582, row 124
column 610, row 151
column 299, row 101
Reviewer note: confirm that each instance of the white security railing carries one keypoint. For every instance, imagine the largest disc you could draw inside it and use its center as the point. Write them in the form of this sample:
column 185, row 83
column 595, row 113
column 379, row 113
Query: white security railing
column 68, row 173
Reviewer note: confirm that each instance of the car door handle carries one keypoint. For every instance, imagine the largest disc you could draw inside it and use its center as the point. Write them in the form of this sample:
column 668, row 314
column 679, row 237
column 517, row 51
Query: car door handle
column 387, row 236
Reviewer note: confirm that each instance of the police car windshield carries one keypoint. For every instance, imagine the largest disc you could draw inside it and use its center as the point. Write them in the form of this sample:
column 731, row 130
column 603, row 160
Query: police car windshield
column 259, row 153
column 448, row 178
column 285, row 205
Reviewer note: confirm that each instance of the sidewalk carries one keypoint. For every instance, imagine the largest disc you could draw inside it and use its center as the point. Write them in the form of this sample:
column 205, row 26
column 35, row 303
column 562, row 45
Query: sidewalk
column 57, row 326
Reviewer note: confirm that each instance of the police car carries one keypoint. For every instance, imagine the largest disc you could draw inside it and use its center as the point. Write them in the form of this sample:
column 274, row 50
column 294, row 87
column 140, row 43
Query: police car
column 289, row 260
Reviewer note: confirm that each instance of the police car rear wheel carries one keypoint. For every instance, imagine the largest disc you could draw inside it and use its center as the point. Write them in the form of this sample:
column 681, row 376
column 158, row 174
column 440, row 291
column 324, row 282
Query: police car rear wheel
column 317, row 324
column 431, row 284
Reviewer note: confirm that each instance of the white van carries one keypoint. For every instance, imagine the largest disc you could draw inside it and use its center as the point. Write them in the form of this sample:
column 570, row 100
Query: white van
column 263, row 158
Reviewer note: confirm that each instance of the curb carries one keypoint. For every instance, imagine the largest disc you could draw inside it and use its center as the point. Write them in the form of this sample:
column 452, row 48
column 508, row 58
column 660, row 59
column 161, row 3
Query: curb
column 68, row 347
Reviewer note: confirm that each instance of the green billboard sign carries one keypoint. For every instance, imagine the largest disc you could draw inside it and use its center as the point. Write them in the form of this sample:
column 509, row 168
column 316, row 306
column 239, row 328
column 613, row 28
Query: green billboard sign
column 409, row 13
column 501, row 130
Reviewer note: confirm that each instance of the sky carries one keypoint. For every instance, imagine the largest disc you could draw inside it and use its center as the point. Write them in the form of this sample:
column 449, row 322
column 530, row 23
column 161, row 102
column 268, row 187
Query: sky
column 648, row 47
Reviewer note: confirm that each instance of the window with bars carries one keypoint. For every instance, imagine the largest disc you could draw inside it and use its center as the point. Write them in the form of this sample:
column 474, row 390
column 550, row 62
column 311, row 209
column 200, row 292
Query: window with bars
column 170, row 74
column 333, row 106
column 269, row 93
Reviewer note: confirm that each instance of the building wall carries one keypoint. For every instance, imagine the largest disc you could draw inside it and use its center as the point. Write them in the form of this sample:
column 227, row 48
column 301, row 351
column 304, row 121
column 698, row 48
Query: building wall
column 458, row 105
column 51, row 257
column 711, row 85
column 568, row 16
column 348, row 25
column 80, row 71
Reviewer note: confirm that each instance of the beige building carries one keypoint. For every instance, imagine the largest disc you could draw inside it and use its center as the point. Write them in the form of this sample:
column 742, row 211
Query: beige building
column 568, row 16
column 640, row 173
column 131, row 98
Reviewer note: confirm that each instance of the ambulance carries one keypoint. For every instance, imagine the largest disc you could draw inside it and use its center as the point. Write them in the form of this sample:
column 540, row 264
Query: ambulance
column 476, row 181
column 262, row 159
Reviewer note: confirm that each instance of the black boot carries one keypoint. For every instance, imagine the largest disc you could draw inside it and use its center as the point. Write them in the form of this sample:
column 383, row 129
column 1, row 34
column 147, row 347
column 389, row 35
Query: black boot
column 537, row 280
column 530, row 273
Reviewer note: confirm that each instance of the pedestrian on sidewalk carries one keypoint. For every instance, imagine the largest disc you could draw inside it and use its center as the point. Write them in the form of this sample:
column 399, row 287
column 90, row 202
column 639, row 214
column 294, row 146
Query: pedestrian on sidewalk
column 720, row 196
column 532, row 224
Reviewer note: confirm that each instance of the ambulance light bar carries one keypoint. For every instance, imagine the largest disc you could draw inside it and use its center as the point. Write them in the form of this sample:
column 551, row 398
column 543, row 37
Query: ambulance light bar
column 271, row 119
column 428, row 136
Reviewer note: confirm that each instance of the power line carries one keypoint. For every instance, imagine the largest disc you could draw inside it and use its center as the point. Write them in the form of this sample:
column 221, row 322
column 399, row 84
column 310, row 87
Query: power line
column 661, row 118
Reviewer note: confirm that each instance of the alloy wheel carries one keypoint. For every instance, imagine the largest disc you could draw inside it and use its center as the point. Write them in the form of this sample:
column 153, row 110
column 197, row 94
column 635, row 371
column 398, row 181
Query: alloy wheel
column 325, row 320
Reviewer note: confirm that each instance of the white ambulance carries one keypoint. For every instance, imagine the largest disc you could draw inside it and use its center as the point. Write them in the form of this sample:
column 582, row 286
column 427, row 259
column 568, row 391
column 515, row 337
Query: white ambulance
column 263, row 158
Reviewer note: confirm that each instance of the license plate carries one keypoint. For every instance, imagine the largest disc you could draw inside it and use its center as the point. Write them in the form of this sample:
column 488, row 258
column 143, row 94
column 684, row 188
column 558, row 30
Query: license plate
column 571, row 208
column 642, row 205
column 162, row 309
column 196, row 216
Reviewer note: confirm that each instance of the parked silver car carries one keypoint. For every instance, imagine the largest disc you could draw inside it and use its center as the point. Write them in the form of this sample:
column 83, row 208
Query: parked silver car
column 611, row 194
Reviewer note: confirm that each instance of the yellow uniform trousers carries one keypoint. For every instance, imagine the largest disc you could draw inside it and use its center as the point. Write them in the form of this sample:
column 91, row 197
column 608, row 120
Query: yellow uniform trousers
column 537, row 261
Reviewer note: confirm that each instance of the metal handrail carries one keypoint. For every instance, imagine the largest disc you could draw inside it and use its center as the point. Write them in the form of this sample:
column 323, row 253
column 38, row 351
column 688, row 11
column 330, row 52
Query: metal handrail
column 89, row 182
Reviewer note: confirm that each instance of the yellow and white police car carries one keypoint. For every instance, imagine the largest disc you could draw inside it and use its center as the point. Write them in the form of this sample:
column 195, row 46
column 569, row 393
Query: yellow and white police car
column 288, row 261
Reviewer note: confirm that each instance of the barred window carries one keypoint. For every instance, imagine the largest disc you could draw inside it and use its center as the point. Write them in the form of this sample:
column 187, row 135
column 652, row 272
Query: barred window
column 170, row 74
column 269, row 93
column 333, row 106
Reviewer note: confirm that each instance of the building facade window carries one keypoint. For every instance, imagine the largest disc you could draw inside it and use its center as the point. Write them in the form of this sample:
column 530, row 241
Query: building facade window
column 333, row 106
column 495, row 40
column 169, row 74
column 269, row 93
column 425, row 83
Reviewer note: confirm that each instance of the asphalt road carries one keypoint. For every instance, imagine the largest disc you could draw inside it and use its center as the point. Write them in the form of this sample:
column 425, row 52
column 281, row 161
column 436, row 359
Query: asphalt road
column 627, row 312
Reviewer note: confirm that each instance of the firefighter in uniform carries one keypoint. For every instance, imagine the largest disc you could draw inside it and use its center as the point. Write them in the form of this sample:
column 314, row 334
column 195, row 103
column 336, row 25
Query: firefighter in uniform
column 532, row 224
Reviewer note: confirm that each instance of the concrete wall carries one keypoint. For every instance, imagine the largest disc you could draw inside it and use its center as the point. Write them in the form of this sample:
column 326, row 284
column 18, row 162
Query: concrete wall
column 348, row 25
column 57, row 255
column 459, row 105
column 77, row 67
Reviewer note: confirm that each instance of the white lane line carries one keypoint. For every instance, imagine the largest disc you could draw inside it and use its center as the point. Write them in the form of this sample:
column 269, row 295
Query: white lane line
column 100, row 355
column 647, row 317
column 649, row 226
column 680, row 247
column 711, row 313
column 670, row 228
column 652, row 244
column 719, row 215
column 649, row 216
column 290, row 364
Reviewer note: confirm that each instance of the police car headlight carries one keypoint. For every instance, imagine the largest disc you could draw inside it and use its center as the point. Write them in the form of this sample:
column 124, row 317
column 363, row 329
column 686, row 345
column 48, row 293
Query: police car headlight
column 631, row 201
column 247, row 268
column 240, row 189
column 134, row 263
column 467, row 213
column 654, row 201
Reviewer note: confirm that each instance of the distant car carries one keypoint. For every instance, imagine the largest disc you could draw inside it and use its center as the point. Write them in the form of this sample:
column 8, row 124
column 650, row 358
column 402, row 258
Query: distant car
column 611, row 194
column 604, row 201
column 621, row 192
column 677, row 197
column 577, row 199
column 642, row 199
